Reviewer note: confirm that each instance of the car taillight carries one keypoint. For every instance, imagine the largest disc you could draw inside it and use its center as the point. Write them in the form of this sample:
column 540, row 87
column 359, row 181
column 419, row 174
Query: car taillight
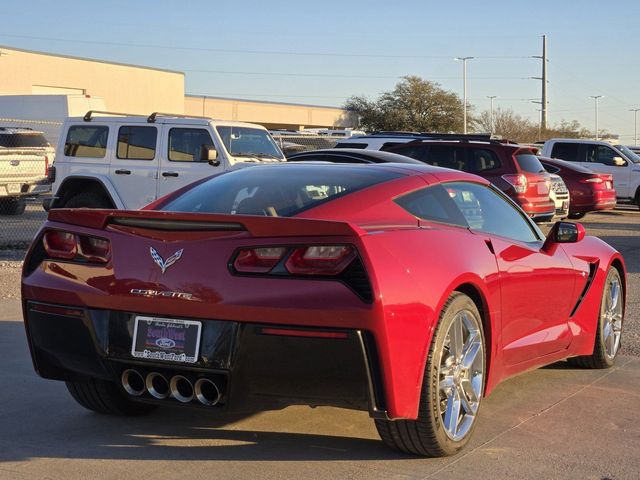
column 592, row 180
column 258, row 260
column 325, row 260
column 46, row 166
column 71, row 246
column 51, row 173
column 517, row 181
column 600, row 182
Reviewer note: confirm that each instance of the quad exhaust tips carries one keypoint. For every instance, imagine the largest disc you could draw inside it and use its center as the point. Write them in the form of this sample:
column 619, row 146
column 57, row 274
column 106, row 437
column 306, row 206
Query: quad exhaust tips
column 178, row 387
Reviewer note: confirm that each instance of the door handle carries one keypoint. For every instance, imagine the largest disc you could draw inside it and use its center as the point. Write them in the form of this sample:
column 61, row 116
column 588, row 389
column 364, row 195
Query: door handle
column 123, row 172
column 169, row 174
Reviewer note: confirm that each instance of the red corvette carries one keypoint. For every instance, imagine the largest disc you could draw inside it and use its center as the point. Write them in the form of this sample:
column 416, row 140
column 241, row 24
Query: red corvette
column 409, row 291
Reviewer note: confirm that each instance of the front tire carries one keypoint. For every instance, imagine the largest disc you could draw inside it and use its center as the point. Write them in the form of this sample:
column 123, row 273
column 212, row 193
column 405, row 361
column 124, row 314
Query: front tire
column 609, row 331
column 105, row 398
column 452, row 386
column 12, row 206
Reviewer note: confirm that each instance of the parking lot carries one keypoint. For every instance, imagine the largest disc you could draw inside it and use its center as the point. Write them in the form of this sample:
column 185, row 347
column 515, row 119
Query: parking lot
column 557, row 422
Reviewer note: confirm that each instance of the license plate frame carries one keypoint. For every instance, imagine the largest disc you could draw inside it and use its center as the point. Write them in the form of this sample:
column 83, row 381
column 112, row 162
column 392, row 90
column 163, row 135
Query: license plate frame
column 166, row 339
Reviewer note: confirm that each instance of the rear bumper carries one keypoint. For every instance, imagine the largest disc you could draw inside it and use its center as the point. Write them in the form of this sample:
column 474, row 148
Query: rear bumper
column 254, row 370
column 539, row 210
column 597, row 201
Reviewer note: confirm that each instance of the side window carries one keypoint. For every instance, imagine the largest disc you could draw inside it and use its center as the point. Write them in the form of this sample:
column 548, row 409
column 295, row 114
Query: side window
column 137, row 143
column 566, row 151
column 413, row 151
column 487, row 211
column 480, row 160
column 361, row 146
column 600, row 154
column 434, row 204
column 447, row 157
column 188, row 144
column 86, row 141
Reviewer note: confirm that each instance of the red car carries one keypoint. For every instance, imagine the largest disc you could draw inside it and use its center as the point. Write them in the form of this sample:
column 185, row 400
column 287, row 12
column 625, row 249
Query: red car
column 512, row 168
column 408, row 291
column 589, row 191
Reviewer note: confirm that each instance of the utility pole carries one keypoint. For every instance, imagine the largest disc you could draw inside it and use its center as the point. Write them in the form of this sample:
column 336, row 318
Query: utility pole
column 635, row 125
column 464, row 91
column 544, row 101
column 491, row 97
column 596, row 98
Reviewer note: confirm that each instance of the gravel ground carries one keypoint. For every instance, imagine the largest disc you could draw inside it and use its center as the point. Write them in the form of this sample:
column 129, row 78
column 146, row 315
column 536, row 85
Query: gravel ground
column 620, row 228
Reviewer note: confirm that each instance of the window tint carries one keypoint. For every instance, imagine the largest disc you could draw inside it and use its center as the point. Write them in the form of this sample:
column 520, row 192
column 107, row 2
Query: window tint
column 447, row 157
column 389, row 145
column 413, row 151
column 433, row 203
column 481, row 160
column 137, row 143
column 566, row 151
column 600, row 154
column 529, row 163
column 188, row 144
column 487, row 211
column 277, row 190
column 23, row 140
column 86, row 141
column 361, row 146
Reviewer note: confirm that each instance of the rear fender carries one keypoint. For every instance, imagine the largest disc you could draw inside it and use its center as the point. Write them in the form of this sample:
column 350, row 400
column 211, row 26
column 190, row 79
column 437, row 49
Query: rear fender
column 77, row 183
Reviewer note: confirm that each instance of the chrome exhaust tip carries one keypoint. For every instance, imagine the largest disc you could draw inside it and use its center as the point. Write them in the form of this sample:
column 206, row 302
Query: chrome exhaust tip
column 157, row 385
column 207, row 392
column 132, row 382
column 181, row 389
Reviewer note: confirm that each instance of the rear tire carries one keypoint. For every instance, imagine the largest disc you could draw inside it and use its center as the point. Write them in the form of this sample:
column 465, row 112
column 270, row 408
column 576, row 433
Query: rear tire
column 609, row 332
column 12, row 206
column 105, row 398
column 90, row 199
column 446, row 379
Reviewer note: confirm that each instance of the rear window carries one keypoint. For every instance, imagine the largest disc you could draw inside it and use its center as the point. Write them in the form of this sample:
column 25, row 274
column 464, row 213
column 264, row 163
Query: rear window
column 23, row 140
column 86, row 141
column 529, row 163
column 281, row 191
column 361, row 146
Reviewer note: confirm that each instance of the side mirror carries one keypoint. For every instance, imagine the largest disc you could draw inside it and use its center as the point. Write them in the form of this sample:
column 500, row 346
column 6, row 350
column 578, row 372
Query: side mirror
column 564, row 232
column 210, row 155
column 619, row 161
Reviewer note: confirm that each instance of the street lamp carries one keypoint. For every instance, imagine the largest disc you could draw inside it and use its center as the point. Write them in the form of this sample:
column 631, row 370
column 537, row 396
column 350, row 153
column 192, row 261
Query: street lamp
column 491, row 97
column 635, row 125
column 464, row 91
column 596, row 97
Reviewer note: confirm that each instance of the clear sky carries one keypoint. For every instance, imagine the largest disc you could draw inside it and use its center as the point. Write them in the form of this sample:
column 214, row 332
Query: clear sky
column 324, row 51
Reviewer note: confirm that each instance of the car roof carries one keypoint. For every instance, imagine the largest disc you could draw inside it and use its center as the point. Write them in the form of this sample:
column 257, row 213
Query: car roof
column 374, row 156
column 161, row 119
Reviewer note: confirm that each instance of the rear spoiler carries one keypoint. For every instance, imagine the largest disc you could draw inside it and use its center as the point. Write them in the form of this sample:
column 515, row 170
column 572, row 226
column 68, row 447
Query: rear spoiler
column 257, row 226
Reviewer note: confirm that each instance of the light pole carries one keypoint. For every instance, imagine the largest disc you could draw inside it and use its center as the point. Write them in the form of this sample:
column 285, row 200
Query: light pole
column 635, row 125
column 464, row 91
column 596, row 98
column 492, row 97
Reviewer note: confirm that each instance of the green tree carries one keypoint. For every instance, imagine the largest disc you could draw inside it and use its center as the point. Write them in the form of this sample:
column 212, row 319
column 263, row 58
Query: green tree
column 414, row 104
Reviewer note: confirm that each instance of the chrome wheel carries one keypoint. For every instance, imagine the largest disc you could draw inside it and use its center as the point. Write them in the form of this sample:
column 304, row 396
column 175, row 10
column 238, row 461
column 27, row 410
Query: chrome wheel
column 461, row 375
column 612, row 316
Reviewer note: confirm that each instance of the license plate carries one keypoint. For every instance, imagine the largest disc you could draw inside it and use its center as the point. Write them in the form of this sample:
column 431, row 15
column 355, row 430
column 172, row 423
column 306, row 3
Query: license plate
column 565, row 204
column 166, row 339
column 609, row 185
column 14, row 188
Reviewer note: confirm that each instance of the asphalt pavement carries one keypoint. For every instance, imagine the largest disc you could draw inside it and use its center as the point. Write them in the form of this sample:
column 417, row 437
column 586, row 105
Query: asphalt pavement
column 556, row 422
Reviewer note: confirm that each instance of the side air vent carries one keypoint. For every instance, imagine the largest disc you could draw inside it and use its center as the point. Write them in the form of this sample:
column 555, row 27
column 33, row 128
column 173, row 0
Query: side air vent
column 593, row 268
column 356, row 278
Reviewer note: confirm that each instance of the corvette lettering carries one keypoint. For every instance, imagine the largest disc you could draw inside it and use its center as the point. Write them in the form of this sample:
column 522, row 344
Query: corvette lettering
column 161, row 293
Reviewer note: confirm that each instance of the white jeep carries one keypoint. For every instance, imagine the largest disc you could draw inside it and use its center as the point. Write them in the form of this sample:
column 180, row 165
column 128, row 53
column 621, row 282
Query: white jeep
column 126, row 162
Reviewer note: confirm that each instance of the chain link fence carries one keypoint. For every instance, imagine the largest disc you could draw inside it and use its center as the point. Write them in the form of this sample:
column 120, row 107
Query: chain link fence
column 27, row 149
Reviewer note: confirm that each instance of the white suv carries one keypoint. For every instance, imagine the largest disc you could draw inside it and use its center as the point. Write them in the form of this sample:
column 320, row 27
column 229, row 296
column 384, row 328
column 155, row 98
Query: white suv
column 601, row 157
column 126, row 162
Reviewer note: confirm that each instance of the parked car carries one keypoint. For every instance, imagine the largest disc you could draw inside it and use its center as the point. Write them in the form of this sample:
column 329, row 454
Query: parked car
column 559, row 194
column 512, row 168
column 589, row 191
column 386, row 139
column 358, row 286
column 601, row 157
column 350, row 155
column 126, row 162
column 24, row 164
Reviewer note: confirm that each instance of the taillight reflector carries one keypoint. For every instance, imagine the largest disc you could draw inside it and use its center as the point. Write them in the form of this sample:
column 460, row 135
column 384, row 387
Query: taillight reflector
column 59, row 244
column 326, row 260
column 64, row 311
column 291, row 332
column 258, row 260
